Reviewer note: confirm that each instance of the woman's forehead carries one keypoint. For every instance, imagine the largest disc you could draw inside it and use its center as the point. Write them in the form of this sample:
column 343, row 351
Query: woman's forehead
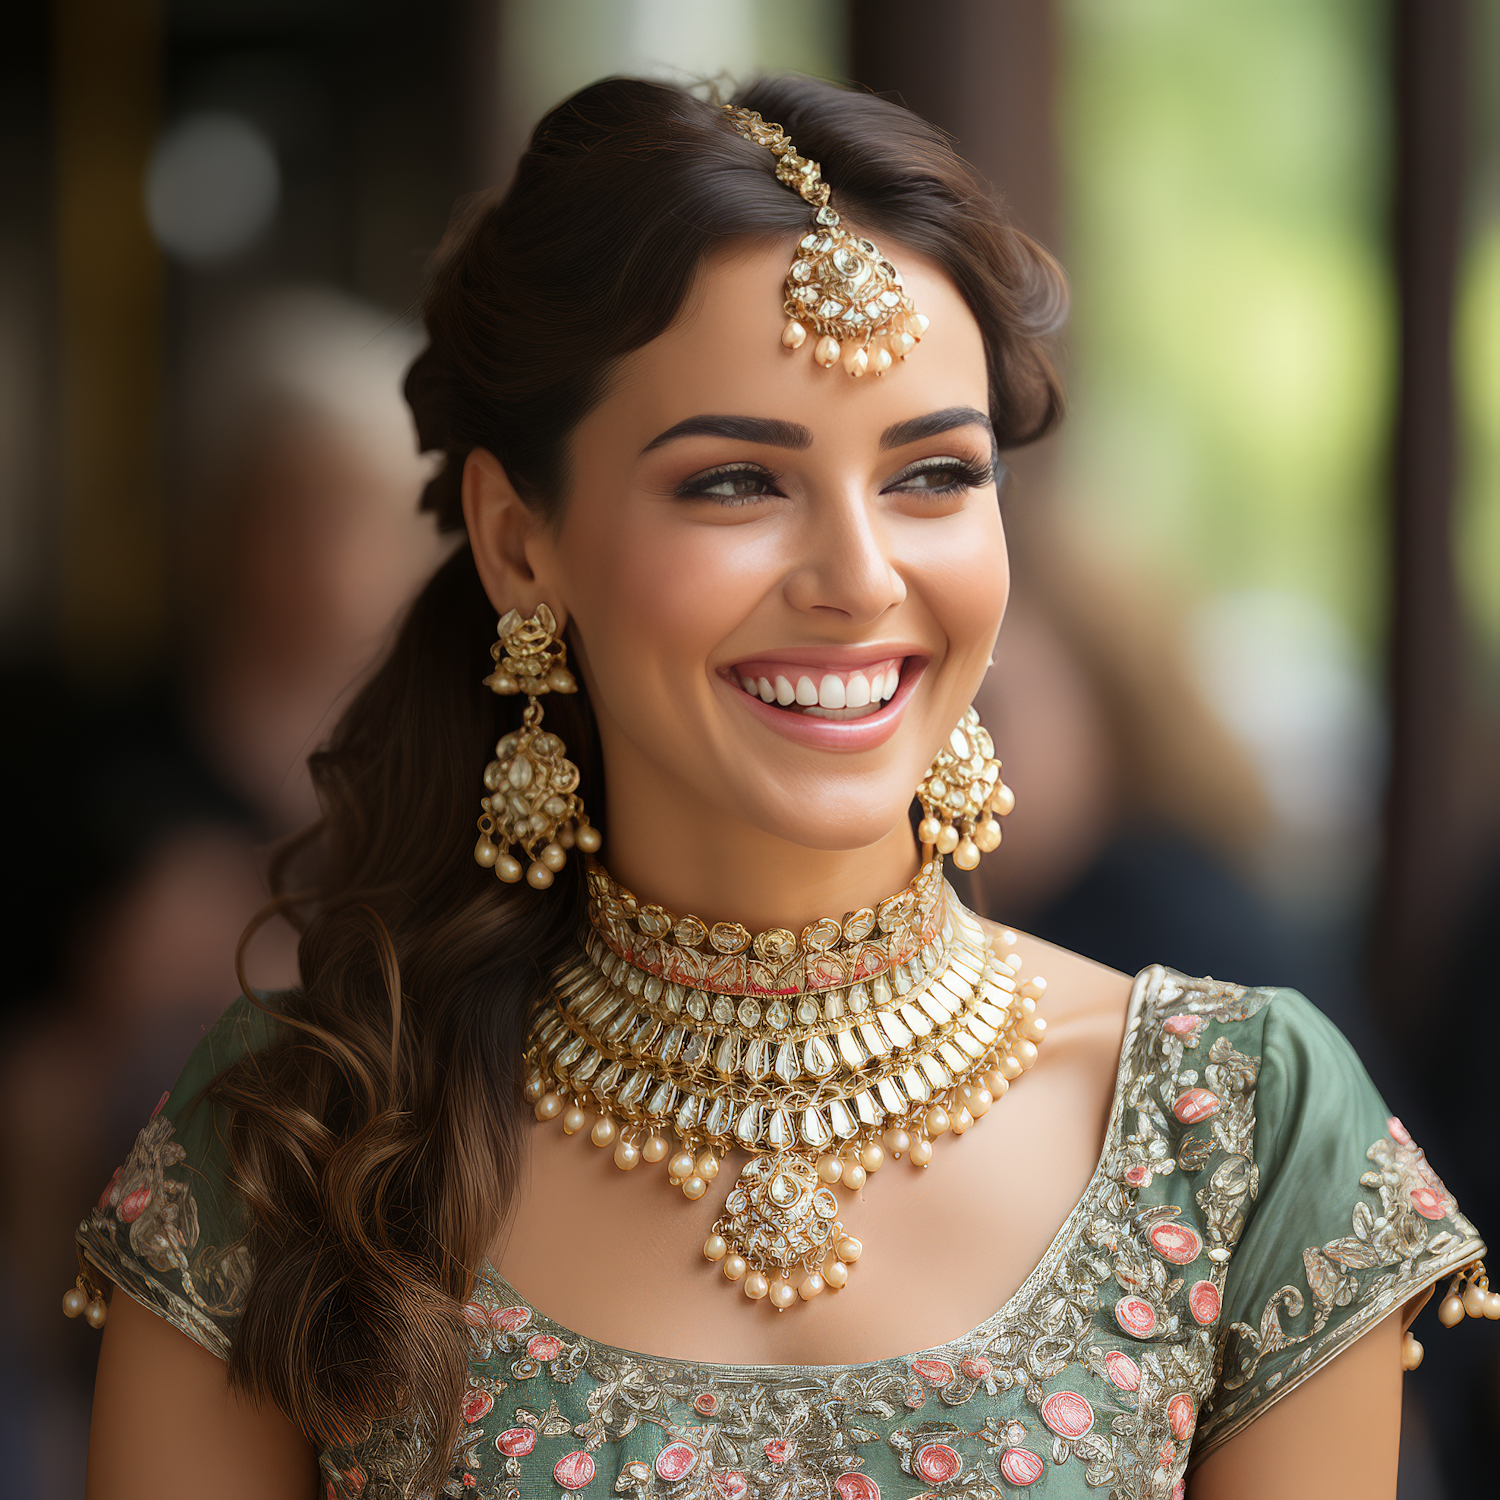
column 723, row 357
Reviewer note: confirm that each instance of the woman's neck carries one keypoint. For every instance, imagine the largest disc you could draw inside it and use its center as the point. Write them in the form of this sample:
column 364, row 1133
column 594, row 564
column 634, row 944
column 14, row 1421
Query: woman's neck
column 696, row 858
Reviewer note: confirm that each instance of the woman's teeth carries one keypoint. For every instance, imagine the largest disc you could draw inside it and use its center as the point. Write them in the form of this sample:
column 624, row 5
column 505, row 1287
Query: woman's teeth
column 835, row 695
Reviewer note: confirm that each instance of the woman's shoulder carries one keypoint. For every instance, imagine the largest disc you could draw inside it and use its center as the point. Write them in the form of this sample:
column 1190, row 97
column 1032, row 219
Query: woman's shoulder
column 1247, row 1128
column 168, row 1228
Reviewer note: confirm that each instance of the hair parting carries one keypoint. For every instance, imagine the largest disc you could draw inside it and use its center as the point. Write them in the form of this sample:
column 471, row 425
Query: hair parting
column 377, row 1140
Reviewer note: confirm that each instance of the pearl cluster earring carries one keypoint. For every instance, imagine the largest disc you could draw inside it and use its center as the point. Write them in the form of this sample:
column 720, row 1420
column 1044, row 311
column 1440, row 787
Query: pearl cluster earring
column 962, row 795
column 532, row 800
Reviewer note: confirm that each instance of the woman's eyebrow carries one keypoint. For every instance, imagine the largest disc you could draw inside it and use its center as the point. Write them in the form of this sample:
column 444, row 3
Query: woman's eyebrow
column 769, row 430
column 913, row 431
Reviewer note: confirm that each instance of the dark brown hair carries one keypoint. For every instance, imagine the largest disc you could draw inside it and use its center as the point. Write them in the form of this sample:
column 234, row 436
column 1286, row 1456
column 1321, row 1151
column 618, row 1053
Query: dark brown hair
column 376, row 1145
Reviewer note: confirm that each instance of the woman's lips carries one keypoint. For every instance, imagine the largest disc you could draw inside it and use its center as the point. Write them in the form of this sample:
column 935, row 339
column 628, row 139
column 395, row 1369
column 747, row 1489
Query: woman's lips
column 885, row 685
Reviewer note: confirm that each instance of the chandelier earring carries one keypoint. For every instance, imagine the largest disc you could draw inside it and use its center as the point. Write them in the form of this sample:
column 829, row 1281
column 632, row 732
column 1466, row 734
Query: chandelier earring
column 531, row 802
column 962, row 796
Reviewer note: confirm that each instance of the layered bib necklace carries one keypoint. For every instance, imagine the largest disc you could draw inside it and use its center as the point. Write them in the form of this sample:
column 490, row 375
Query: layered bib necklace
column 819, row 1055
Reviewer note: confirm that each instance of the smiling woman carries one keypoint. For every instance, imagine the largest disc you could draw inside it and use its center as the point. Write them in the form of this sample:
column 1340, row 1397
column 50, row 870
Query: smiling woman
column 745, row 598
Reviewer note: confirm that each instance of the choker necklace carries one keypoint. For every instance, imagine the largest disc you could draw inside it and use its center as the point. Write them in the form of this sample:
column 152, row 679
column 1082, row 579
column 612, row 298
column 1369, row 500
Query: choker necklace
column 819, row 1055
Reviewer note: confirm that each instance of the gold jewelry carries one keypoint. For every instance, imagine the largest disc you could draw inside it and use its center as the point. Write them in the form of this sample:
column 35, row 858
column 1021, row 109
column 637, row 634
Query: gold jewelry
column 533, row 800
column 963, row 786
column 819, row 1054
column 840, row 286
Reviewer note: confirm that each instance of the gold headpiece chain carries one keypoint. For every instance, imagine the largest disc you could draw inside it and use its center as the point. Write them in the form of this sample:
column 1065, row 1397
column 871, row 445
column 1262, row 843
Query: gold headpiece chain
column 840, row 287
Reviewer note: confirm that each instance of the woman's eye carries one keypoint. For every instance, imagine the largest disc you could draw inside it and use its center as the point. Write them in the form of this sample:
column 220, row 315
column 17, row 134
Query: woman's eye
column 941, row 476
column 729, row 485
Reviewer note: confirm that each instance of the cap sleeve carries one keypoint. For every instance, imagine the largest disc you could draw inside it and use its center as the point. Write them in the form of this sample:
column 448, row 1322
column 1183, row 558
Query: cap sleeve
column 1348, row 1221
column 168, row 1228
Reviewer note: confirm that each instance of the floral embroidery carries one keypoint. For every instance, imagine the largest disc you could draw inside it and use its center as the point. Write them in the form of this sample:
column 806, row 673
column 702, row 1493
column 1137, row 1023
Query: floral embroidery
column 1395, row 1242
column 147, row 1219
column 1105, row 1373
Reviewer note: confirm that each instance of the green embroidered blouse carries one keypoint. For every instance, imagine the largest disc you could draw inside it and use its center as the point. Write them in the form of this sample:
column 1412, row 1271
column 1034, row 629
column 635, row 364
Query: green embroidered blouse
column 1255, row 1210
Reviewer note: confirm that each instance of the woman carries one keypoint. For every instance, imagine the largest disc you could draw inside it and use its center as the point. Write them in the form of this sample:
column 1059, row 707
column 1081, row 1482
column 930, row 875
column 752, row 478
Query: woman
column 765, row 537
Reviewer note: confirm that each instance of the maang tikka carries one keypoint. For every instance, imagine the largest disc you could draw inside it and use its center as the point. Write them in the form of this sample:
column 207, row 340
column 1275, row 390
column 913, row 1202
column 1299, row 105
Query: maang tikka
column 532, row 800
column 840, row 288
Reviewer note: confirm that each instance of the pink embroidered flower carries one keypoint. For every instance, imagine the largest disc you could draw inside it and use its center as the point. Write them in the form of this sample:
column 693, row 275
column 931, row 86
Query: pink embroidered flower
column 778, row 1450
column 706, row 1402
column 476, row 1405
column 544, row 1348
column 133, row 1205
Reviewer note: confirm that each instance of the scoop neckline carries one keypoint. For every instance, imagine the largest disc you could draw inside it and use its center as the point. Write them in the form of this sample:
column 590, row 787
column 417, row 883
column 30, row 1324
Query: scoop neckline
column 1144, row 986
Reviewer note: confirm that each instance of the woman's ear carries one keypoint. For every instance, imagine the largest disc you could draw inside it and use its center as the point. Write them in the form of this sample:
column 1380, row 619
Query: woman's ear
column 502, row 532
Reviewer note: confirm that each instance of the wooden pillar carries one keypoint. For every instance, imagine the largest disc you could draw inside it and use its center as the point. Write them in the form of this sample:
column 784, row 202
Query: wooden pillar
column 1423, row 851
column 112, row 530
column 984, row 71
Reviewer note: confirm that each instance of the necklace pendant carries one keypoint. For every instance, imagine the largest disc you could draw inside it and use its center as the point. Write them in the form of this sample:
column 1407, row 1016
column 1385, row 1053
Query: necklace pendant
column 779, row 1215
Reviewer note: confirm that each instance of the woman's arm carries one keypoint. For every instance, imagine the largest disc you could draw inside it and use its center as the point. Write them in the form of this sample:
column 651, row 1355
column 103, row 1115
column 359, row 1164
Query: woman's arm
column 1336, row 1437
column 167, row 1427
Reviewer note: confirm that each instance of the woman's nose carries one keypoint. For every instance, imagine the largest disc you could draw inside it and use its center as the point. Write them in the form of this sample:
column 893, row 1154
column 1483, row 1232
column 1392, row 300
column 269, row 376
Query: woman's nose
column 846, row 563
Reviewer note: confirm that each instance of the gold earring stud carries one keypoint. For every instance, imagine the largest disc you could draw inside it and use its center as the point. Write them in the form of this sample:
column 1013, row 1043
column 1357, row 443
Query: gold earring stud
column 532, row 800
column 962, row 796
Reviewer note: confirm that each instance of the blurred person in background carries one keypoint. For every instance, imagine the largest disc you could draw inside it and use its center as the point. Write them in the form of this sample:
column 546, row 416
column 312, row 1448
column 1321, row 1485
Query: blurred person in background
column 1141, row 810
column 300, row 541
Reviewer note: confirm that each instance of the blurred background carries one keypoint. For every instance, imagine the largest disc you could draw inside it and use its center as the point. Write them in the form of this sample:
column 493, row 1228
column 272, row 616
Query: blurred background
column 1249, row 689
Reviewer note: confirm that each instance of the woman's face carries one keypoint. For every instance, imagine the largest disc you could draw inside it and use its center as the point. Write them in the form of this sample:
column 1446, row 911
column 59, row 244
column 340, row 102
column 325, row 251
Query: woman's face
column 783, row 584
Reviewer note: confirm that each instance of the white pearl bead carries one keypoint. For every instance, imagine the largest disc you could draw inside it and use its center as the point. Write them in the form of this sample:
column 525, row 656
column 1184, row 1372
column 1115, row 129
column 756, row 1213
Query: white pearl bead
column 708, row 1166
column 574, row 1119
column 1034, row 988
column 830, row 1169
column 73, row 1303
column 872, row 1157
column 533, row 1090
column 962, row 1120
column 588, row 838
column 783, row 1294
column 508, row 868
column 1033, row 1028
column 485, row 853
column 627, row 1156
column 920, row 1153
column 549, row 1107
column 756, row 1286
column 1003, row 800
column 928, row 830
column 827, row 352
column 880, row 361
column 554, row 856
column 835, row 1274
column 655, row 1149
column 849, row 1249
column 919, row 323
column 694, row 1187
column 682, row 1165
column 1026, row 1053
column 997, row 1083
column 897, row 1141
column 947, row 839
column 1451, row 1311
column 715, row 1247
column 1474, row 1296
column 1492, row 1305
column 603, row 1133
column 95, row 1314
column 1411, row 1353
column 966, row 855
column 794, row 335
column 901, row 344
column 538, row 876
column 1010, row 1065
column 811, row 1286
column 856, row 362
column 937, row 1120
column 980, row 1100
column 733, row 1267
column 854, row 1176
